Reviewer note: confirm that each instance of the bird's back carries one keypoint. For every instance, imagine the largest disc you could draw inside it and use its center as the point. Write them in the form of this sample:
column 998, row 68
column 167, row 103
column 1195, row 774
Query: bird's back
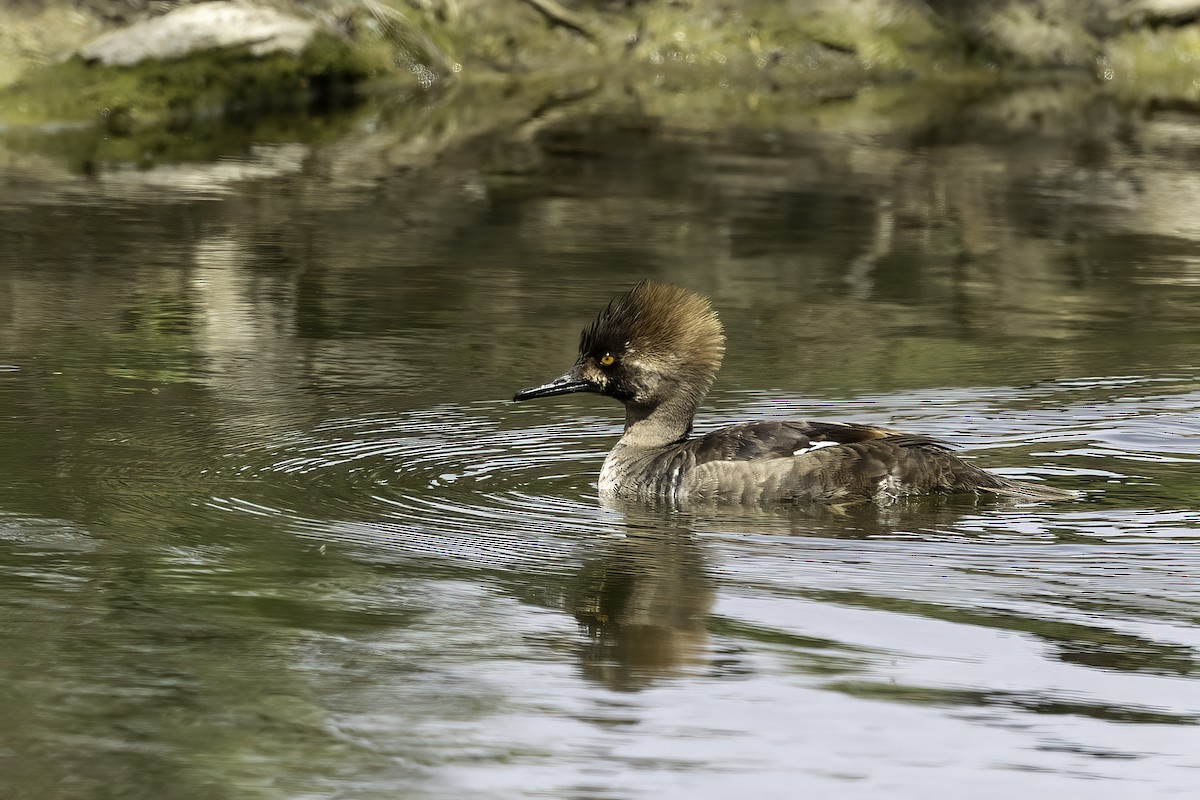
column 800, row 461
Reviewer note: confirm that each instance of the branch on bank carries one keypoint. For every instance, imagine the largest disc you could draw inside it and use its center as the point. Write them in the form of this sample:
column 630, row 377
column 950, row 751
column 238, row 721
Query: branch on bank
column 557, row 15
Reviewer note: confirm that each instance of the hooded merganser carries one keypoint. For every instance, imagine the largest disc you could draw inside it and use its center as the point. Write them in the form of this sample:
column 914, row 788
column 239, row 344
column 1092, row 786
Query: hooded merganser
column 656, row 349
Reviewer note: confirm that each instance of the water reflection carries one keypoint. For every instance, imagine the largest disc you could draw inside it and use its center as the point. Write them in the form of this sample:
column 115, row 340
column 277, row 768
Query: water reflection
column 271, row 527
column 643, row 602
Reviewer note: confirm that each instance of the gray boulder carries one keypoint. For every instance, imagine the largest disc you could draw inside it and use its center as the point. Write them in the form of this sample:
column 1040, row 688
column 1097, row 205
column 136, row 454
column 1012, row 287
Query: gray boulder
column 207, row 26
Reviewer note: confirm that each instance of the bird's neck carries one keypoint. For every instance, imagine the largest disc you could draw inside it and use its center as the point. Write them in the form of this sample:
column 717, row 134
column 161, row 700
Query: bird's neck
column 659, row 425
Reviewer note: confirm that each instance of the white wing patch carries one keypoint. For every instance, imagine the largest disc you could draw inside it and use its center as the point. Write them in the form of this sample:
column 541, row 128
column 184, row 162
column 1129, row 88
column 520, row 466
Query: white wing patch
column 814, row 446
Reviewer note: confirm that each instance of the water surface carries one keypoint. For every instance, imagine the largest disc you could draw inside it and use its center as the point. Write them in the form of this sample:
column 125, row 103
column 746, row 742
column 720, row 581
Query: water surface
column 271, row 528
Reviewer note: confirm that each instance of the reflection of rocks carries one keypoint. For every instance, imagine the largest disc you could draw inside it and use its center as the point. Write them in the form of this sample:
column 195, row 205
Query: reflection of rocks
column 807, row 222
column 837, row 198
column 643, row 604
column 208, row 179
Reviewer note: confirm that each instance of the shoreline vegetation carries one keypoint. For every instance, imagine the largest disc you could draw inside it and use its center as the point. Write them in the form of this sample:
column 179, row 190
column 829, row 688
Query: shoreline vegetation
column 105, row 85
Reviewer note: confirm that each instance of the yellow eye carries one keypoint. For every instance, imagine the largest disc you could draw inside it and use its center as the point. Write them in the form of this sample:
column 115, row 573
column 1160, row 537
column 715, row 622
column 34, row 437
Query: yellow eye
column 607, row 360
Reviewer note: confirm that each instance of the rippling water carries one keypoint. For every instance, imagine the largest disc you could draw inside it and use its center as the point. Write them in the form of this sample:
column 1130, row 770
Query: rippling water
column 270, row 527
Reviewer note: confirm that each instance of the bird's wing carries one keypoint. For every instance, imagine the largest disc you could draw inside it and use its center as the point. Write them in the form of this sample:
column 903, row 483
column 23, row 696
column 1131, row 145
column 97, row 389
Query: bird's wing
column 784, row 439
column 825, row 462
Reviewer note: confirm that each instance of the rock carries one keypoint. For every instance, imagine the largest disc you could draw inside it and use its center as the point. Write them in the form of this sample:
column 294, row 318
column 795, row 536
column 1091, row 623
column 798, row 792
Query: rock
column 196, row 62
column 1162, row 12
column 1031, row 34
column 217, row 25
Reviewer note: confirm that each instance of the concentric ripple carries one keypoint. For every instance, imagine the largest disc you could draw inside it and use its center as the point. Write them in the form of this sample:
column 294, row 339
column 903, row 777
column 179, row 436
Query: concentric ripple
column 457, row 482
column 492, row 483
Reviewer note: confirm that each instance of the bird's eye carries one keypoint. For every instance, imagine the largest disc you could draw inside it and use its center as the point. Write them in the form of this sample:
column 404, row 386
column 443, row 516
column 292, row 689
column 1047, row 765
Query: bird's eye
column 607, row 359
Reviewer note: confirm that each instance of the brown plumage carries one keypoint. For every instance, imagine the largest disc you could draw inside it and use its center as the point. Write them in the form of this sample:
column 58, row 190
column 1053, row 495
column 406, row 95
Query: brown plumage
column 658, row 347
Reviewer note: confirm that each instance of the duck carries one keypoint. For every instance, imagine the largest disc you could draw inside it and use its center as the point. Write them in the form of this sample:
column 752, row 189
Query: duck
column 657, row 348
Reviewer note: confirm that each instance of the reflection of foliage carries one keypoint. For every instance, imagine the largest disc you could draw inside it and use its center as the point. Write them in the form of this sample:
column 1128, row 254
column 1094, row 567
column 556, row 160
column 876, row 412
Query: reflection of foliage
column 808, row 655
column 895, row 253
column 159, row 316
column 85, row 149
column 153, row 345
column 932, row 696
column 1080, row 644
column 446, row 252
column 184, row 664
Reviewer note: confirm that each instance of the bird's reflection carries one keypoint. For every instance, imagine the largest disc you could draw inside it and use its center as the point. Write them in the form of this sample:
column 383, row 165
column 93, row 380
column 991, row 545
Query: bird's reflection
column 644, row 601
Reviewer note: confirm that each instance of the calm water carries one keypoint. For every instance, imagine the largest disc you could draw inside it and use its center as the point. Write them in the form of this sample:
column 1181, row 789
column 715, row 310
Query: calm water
column 271, row 528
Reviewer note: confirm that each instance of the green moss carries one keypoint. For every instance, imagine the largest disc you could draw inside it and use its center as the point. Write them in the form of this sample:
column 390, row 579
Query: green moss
column 883, row 37
column 1155, row 64
column 205, row 83
column 416, row 40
